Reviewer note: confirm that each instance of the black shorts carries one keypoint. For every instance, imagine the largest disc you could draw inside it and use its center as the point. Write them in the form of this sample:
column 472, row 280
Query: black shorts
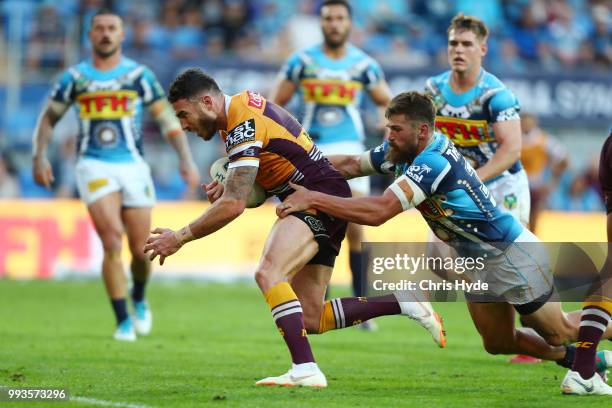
column 328, row 232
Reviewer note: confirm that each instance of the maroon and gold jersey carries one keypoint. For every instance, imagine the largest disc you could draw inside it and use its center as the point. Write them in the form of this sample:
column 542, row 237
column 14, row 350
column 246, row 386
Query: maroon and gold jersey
column 264, row 135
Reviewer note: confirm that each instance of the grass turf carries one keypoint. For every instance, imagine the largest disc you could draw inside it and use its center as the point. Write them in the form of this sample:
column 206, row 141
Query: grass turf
column 211, row 342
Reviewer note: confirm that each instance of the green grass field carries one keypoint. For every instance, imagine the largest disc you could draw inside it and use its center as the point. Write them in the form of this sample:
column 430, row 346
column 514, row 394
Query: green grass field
column 211, row 342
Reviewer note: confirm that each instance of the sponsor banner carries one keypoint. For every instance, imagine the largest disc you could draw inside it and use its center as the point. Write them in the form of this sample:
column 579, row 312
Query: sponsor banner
column 54, row 239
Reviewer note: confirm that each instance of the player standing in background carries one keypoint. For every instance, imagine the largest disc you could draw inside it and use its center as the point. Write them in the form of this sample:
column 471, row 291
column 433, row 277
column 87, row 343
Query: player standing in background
column 109, row 92
column 330, row 79
column 266, row 144
column 597, row 310
column 545, row 159
column 480, row 116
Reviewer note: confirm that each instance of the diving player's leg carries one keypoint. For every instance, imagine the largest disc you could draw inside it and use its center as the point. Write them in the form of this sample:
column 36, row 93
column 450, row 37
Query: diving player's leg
column 289, row 247
column 495, row 324
column 137, row 222
column 138, row 197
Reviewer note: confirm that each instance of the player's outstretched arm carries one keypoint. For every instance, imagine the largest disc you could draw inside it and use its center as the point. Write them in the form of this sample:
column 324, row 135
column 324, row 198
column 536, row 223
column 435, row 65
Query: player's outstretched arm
column 508, row 137
column 49, row 116
column 353, row 165
column 171, row 129
column 164, row 242
column 349, row 165
column 360, row 210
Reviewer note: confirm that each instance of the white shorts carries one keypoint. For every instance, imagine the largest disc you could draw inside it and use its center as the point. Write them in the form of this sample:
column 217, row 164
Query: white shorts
column 511, row 193
column 97, row 178
column 520, row 275
column 359, row 185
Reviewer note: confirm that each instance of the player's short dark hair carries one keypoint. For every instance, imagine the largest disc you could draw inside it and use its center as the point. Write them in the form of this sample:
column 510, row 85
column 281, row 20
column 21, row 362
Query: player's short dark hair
column 344, row 3
column 470, row 23
column 414, row 105
column 104, row 11
column 190, row 83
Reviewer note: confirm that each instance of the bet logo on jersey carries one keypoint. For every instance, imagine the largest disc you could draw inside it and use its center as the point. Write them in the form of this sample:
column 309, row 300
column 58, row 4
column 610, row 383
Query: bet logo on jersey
column 242, row 133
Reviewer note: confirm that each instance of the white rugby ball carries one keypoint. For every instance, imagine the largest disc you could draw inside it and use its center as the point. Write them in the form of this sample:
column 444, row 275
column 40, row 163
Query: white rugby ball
column 218, row 171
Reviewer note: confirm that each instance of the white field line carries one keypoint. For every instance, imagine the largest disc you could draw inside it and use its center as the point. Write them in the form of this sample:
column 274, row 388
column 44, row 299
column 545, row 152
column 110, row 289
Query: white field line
column 104, row 403
column 94, row 401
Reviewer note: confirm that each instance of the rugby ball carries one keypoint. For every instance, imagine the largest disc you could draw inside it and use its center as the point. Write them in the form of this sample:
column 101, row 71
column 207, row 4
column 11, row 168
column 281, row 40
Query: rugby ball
column 218, row 171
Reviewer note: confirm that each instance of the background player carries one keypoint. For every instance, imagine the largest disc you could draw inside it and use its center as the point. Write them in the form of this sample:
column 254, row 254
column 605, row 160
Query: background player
column 481, row 116
column 265, row 143
column 330, row 79
column 114, row 181
column 436, row 179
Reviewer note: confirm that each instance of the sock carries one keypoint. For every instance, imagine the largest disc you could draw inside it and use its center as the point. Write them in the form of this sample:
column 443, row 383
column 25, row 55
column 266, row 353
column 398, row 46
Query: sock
column 138, row 291
column 342, row 312
column 593, row 323
column 120, row 309
column 355, row 264
column 287, row 313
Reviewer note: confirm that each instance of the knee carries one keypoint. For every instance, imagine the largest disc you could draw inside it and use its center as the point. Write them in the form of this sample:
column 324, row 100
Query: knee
column 137, row 251
column 111, row 241
column 266, row 277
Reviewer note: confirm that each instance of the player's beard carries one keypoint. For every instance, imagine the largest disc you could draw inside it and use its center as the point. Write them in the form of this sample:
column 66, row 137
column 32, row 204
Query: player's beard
column 207, row 129
column 106, row 53
column 397, row 156
column 335, row 43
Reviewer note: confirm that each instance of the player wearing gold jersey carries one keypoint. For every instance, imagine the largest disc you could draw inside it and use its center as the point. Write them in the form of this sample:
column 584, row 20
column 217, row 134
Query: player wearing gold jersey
column 268, row 145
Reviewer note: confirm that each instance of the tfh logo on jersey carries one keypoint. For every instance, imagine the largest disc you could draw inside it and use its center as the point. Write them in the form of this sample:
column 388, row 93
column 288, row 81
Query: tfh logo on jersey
column 244, row 132
column 417, row 172
column 330, row 91
column 464, row 132
column 255, row 99
column 107, row 104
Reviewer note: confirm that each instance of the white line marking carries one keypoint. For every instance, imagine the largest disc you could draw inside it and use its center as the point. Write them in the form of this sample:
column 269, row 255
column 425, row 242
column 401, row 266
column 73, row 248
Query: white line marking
column 104, row 403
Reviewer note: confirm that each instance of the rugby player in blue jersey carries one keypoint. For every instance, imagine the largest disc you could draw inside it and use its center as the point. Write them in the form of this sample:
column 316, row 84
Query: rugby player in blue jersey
column 330, row 79
column 434, row 177
column 110, row 93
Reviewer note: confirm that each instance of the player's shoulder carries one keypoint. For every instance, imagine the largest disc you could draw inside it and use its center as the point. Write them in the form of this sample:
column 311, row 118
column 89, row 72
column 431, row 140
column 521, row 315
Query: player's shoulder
column 490, row 81
column 437, row 82
column 306, row 55
column 245, row 105
column 495, row 92
column 433, row 157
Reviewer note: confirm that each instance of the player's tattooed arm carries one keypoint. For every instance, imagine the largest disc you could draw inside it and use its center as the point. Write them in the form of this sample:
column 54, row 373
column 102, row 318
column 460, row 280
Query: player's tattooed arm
column 41, row 168
column 164, row 242
column 240, row 182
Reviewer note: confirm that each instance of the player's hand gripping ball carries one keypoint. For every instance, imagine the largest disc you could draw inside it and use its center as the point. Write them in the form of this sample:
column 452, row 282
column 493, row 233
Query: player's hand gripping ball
column 218, row 172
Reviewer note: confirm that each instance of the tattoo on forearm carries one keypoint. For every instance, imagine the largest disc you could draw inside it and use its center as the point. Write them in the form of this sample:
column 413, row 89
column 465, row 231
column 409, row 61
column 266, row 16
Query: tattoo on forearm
column 240, row 182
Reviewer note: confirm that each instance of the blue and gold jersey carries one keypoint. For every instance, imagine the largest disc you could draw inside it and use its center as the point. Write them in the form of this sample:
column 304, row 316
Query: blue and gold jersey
column 467, row 119
column 109, row 106
column 449, row 195
column 331, row 91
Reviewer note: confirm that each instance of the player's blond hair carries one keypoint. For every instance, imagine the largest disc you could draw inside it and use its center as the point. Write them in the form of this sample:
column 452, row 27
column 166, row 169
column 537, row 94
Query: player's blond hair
column 470, row 23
